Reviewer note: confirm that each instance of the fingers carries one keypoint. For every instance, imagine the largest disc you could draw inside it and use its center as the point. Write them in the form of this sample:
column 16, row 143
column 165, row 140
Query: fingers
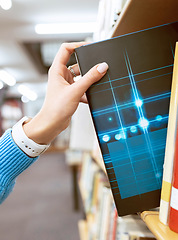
column 84, row 99
column 92, row 76
column 76, row 70
column 65, row 52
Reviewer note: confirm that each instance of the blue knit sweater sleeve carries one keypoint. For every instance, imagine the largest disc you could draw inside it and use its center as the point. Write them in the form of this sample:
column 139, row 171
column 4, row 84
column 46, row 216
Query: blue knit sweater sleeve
column 13, row 161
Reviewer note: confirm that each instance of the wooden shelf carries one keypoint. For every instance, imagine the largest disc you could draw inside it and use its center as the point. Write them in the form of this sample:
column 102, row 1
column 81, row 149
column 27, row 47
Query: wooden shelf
column 145, row 18
column 160, row 231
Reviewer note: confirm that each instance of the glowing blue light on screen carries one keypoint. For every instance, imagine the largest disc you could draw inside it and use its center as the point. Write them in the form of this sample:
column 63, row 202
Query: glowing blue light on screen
column 143, row 122
column 138, row 102
column 133, row 129
column 106, row 138
column 118, row 136
column 110, row 119
column 158, row 175
column 159, row 117
column 121, row 135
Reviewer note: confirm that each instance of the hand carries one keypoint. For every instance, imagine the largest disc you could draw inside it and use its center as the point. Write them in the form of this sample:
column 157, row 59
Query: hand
column 62, row 97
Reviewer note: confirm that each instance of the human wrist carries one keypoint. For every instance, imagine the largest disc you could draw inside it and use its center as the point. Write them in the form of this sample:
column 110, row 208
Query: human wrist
column 40, row 129
column 27, row 145
column 37, row 131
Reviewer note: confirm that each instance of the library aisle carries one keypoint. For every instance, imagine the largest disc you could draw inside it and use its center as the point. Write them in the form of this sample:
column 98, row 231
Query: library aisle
column 44, row 202
column 41, row 207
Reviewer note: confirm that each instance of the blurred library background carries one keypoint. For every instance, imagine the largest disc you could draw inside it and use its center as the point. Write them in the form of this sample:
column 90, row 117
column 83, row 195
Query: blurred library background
column 65, row 195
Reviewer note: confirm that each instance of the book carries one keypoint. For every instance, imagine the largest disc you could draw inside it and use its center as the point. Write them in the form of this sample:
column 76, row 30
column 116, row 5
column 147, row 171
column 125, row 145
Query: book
column 114, row 226
column 105, row 214
column 112, row 223
column 173, row 214
column 108, row 13
column 129, row 108
column 170, row 147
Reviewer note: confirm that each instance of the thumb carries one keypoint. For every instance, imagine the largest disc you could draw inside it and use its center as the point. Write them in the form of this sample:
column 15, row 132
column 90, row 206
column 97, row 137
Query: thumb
column 92, row 76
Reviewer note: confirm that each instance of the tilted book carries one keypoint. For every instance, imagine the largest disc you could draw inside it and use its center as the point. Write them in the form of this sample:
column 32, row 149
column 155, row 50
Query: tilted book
column 130, row 107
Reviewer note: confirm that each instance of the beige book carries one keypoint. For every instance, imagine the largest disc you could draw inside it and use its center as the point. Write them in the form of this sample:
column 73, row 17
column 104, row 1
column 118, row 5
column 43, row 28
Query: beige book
column 170, row 145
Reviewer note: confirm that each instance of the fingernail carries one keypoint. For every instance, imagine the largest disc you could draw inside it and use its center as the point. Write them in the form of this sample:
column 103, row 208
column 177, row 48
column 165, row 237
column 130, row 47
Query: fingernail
column 102, row 67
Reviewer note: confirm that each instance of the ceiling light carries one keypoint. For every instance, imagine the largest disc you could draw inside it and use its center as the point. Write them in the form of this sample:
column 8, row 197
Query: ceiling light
column 28, row 93
column 7, row 78
column 6, row 4
column 60, row 28
column 1, row 85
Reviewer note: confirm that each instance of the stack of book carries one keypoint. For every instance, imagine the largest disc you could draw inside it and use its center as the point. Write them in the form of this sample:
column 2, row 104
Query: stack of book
column 97, row 199
column 108, row 14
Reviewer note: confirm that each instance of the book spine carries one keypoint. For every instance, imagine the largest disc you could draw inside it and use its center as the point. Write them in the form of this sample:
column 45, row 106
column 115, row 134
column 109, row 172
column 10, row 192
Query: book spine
column 111, row 224
column 173, row 216
column 170, row 146
column 115, row 225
